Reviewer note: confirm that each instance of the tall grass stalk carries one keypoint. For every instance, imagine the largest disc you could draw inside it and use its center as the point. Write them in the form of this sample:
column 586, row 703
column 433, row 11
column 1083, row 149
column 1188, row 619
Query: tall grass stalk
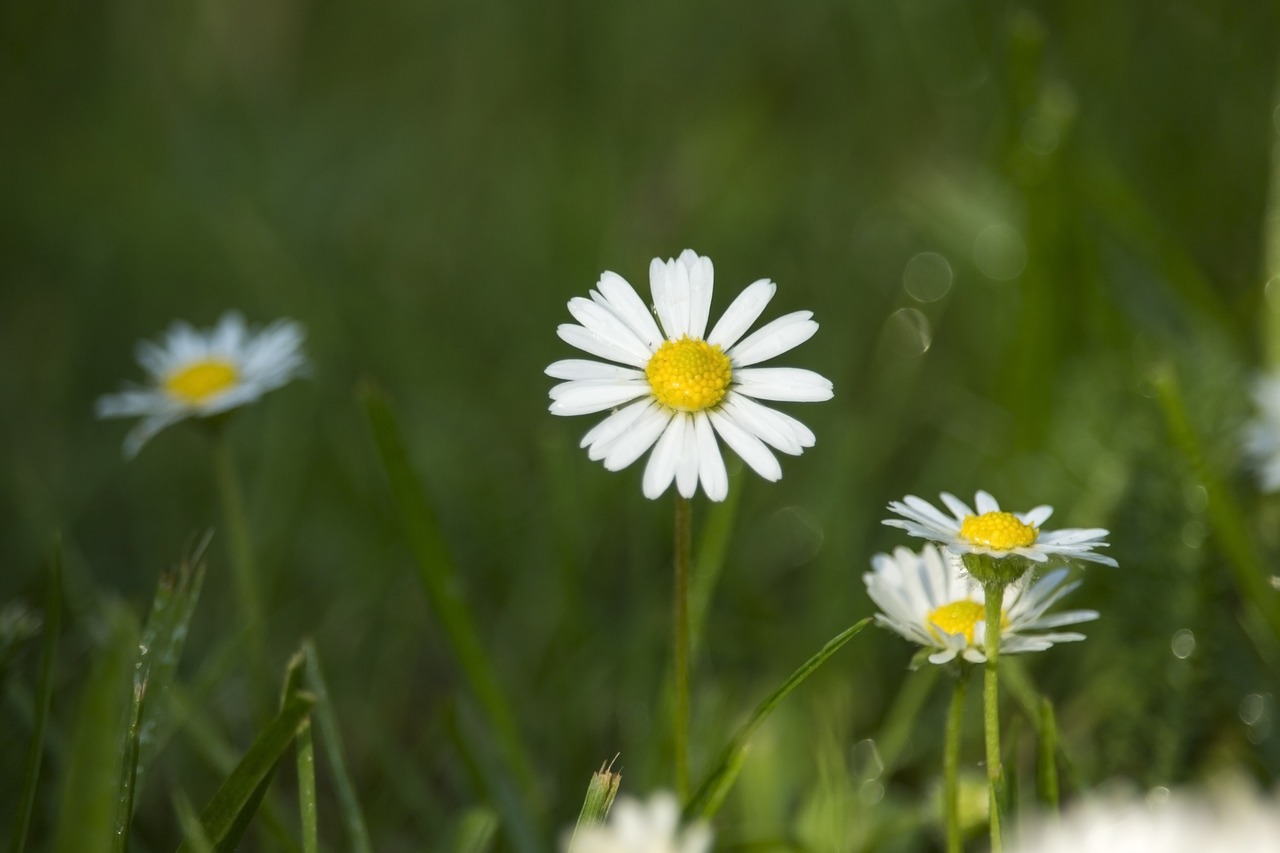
column 244, row 572
column 680, row 643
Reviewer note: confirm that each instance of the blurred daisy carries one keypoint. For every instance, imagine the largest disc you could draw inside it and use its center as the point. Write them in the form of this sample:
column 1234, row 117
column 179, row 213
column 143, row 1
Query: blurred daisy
column 995, row 533
column 1262, row 434
column 931, row 601
column 196, row 373
column 636, row 827
column 1227, row 821
column 681, row 386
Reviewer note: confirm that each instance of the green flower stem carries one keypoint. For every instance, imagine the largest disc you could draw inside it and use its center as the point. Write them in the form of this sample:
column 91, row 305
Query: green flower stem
column 951, row 762
column 680, row 640
column 242, row 566
column 994, row 592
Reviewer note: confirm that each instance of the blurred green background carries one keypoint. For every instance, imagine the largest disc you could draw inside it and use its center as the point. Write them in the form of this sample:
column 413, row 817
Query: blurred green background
column 1006, row 217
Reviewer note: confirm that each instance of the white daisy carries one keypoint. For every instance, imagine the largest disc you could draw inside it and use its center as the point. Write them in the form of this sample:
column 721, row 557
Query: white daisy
column 994, row 532
column 1224, row 821
column 931, row 601
column 680, row 386
column 636, row 827
column 196, row 373
column 1262, row 434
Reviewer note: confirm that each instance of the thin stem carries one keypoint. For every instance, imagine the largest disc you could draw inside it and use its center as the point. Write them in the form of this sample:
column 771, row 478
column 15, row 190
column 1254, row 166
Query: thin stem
column 951, row 762
column 680, row 640
column 242, row 565
column 307, row 790
column 994, row 592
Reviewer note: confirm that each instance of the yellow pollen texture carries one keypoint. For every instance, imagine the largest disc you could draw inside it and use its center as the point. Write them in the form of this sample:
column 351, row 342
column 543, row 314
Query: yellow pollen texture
column 958, row 617
column 999, row 530
column 689, row 374
column 202, row 380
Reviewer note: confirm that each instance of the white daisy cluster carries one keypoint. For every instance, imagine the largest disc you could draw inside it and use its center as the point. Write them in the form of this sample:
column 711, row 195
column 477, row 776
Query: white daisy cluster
column 196, row 373
column 636, row 827
column 930, row 600
column 1262, row 434
column 680, row 386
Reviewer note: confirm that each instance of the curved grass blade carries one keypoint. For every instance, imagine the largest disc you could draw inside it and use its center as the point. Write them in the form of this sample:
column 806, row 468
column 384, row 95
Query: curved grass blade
column 710, row 795
column 44, row 694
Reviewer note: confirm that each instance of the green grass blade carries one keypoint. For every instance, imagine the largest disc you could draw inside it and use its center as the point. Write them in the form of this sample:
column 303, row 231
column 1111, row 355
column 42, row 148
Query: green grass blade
column 44, row 694
column 326, row 721
column 710, row 795
column 228, row 813
column 91, row 787
column 476, row 832
column 295, row 680
column 1047, row 757
column 189, row 821
column 443, row 589
column 900, row 720
column 601, row 791
column 492, row 776
column 712, row 552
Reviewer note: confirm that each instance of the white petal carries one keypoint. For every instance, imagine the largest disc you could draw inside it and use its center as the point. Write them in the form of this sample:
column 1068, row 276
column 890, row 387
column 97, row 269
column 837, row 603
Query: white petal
column 662, row 284
column 585, row 397
column 687, row 470
column 743, row 311
column 631, row 308
column 1037, row 516
column 588, row 341
column 985, row 503
column 146, row 429
column 746, row 445
column 788, row 384
column 771, row 427
column 1072, row 536
column 774, row 339
column 132, row 403
column 701, row 278
column 640, row 437
column 581, row 368
column 711, row 470
column 601, row 436
column 958, row 508
column 666, row 457
column 605, row 324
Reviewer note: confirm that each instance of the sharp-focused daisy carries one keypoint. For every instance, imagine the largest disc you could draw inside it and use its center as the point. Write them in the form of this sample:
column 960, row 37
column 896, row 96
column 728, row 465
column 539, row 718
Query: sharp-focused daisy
column 931, row 601
column 196, row 373
column 636, row 827
column 995, row 533
column 1262, row 434
column 680, row 386
column 1220, row 822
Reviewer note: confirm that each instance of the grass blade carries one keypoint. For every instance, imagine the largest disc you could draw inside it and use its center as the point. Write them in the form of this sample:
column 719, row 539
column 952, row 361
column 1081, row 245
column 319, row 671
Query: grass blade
column 713, row 550
column 44, row 694
column 443, row 589
column 1047, row 757
column 710, row 795
column 601, row 791
column 190, row 823
column 330, row 738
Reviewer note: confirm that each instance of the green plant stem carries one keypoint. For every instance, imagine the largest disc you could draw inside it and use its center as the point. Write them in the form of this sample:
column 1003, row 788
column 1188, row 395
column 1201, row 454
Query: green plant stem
column 680, row 640
column 951, row 762
column 242, row 565
column 994, row 592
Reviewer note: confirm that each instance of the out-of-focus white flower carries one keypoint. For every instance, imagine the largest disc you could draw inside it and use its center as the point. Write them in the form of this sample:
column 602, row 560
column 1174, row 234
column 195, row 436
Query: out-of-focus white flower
column 652, row 827
column 676, row 388
column 198, row 373
column 1235, row 820
column 1262, row 434
column 930, row 600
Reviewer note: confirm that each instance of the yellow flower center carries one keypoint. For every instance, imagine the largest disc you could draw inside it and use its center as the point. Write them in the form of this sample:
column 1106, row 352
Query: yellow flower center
column 201, row 380
column 999, row 530
column 959, row 617
column 689, row 374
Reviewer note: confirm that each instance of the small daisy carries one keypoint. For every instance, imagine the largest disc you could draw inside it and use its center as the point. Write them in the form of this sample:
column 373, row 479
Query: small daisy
column 680, row 386
column 931, row 601
column 198, row 373
column 636, row 827
column 1262, row 435
column 995, row 533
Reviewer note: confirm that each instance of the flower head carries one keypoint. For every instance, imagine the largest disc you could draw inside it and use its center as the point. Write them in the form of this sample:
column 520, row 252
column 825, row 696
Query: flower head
column 636, row 827
column 196, row 373
column 928, row 599
column 1262, row 434
column 679, row 386
column 993, row 532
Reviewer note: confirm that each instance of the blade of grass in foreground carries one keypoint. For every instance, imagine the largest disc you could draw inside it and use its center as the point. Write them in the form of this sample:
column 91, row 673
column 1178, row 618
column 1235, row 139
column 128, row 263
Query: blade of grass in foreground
column 44, row 693
column 710, row 795
column 294, row 681
column 443, row 590
column 601, row 791
column 327, row 722
column 713, row 550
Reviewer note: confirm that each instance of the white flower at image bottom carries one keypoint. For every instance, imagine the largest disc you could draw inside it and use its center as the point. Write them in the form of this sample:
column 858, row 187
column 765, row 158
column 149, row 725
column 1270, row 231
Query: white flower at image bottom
column 196, row 373
column 994, row 532
column 681, row 386
column 1262, row 434
column 929, row 599
column 636, row 827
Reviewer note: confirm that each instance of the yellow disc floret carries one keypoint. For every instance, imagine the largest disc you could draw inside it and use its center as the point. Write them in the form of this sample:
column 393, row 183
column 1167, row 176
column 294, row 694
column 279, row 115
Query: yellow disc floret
column 958, row 617
column 201, row 380
column 689, row 374
column 999, row 530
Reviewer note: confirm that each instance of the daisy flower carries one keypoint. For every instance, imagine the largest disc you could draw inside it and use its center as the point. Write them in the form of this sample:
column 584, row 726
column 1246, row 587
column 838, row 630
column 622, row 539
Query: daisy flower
column 1262, row 435
column 931, row 601
column 195, row 373
column 636, row 827
column 680, row 386
column 992, row 532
